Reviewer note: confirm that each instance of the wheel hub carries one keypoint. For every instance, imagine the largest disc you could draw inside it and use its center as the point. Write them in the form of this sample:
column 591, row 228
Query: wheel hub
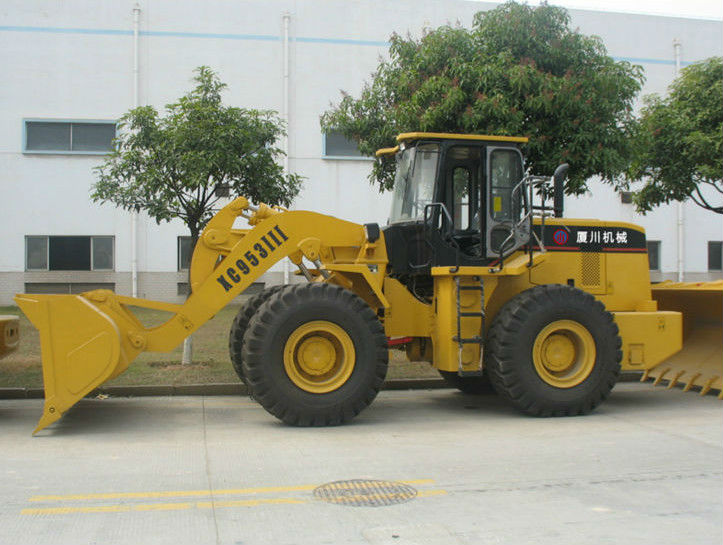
column 564, row 353
column 316, row 355
column 319, row 357
column 558, row 351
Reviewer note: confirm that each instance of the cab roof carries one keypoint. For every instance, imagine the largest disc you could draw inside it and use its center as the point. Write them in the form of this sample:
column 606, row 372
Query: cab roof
column 407, row 136
column 412, row 136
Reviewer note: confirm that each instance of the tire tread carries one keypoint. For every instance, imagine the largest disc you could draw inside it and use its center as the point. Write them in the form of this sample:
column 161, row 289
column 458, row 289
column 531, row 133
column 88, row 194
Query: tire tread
column 255, row 360
column 502, row 341
column 240, row 324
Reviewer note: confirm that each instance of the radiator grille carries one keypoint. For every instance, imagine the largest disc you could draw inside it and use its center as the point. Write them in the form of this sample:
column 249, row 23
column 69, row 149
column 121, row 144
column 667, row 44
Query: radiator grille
column 590, row 269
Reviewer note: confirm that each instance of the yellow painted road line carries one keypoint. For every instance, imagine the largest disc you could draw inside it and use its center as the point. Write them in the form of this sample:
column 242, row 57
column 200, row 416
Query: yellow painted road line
column 107, row 509
column 248, row 503
column 155, row 507
column 193, row 493
column 185, row 505
column 428, row 493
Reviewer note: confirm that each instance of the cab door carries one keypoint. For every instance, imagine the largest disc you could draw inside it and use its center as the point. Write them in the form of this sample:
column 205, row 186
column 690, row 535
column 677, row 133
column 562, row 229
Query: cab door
column 462, row 182
column 506, row 229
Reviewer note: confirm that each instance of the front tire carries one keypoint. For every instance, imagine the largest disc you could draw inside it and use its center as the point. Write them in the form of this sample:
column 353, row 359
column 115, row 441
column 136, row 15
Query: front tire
column 315, row 355
column 241, row 323
column 554, row 351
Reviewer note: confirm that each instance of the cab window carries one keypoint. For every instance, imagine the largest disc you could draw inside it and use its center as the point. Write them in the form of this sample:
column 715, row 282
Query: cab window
column 462, row 179
column 463, row 168
column 505, row 174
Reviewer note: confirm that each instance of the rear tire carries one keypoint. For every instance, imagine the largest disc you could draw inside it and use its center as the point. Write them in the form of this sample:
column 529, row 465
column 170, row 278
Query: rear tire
column 554, row 351
column 315, row 355
column 469, row 385
column 241, row 323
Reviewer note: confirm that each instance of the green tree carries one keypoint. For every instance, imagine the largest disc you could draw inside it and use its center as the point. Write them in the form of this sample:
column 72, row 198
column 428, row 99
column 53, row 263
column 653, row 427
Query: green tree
column 679, row 139
column 519, row 71
column 172, row 166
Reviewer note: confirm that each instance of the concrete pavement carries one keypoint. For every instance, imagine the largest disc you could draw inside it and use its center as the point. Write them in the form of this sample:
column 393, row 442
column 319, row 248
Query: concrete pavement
column 417, row 467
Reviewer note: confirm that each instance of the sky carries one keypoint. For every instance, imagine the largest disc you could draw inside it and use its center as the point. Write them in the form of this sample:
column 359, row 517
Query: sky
column 706, row 9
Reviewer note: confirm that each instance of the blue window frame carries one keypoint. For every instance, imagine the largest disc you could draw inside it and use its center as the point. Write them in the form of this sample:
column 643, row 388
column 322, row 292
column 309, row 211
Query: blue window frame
column 336, row 146
column 68, row 136
column 69, row 253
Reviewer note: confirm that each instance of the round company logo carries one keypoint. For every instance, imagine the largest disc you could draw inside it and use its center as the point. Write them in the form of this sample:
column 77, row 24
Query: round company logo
column 560, row 237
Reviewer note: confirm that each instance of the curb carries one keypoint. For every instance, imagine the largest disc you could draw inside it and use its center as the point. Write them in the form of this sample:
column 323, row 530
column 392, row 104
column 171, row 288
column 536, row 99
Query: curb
column 234, row 388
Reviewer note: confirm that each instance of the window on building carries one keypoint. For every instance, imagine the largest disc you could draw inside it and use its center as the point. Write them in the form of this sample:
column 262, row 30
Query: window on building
column 74, row 253
column 184, row 254
column 715, row 255
column 222, row 190
column 626, row 197
column 101, row 251
column 36, row 253
column 67, row 287
column 337, row 145
column 654, row 255
column 82, row 137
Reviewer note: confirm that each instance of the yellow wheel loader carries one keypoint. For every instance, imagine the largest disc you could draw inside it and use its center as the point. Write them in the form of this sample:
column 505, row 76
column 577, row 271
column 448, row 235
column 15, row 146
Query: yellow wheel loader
column 475, row 273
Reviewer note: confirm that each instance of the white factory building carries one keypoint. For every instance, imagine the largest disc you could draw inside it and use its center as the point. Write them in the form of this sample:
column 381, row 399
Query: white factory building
column 71, row 69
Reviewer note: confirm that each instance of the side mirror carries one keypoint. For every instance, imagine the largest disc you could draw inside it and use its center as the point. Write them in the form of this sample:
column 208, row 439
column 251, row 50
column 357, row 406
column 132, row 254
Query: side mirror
column 559, row 178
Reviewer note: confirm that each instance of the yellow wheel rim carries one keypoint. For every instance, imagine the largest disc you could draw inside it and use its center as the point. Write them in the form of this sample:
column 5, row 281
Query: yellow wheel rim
column 564, row 354
column 319, row 357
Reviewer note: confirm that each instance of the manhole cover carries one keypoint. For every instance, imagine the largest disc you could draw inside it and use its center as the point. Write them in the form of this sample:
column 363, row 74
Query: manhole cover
column 365, row 493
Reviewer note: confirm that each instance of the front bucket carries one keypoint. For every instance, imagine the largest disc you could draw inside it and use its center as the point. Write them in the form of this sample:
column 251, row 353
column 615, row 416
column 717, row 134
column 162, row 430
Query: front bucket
column 700, row 362
column 80, row 347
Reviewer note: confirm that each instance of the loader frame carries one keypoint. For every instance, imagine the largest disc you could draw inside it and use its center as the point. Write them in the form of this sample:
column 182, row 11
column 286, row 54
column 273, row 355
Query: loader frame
column 583, row 284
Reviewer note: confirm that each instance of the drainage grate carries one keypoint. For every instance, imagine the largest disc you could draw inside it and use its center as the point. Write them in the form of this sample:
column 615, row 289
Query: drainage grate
column 365, row 493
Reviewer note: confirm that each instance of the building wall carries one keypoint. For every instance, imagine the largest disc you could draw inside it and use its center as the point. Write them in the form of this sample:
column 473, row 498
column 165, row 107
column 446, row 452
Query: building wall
column 75, row 61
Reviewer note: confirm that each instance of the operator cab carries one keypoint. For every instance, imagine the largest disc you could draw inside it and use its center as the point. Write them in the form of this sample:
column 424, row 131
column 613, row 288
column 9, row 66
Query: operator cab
column 458, row 200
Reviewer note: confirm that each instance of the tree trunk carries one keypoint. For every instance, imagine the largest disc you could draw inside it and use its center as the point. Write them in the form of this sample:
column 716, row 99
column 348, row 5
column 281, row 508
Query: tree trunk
column 187, row 358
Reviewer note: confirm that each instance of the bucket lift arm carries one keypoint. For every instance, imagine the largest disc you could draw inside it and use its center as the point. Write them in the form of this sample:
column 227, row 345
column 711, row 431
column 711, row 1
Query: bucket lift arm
column 90, row 338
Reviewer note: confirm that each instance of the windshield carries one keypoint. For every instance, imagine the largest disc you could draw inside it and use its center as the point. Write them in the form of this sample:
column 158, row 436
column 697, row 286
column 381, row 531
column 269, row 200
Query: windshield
column 414, row 182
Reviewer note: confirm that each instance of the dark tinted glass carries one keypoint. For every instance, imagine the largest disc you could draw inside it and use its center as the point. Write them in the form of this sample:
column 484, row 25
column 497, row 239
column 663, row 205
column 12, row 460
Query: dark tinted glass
column 69, row 253
column 43, row 136
column 37, row 253
column 184, row 253
column 654, row 255
column 715, row 259
column 93, row 136
column 338, row 145
column 102, row 253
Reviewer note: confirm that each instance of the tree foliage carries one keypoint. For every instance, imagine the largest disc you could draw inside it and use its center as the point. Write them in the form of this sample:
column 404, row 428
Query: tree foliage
column 679, row 141
column 170, row 166
column 520, row 71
